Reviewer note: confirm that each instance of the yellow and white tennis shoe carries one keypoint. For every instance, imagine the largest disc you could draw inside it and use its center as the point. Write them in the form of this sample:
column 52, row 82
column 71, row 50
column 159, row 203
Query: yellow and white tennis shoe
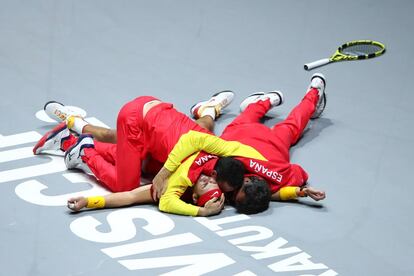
column 60, row 113
column 218, row 101
column 57, row 111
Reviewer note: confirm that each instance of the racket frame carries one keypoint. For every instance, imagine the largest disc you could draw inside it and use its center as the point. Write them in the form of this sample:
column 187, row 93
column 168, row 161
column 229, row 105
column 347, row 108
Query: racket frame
column 338, row 56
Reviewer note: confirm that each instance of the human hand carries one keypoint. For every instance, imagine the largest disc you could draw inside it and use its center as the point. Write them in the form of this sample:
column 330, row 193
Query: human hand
column 159, row 183
column 213, row 206
column 313, row 193
column 77, row 203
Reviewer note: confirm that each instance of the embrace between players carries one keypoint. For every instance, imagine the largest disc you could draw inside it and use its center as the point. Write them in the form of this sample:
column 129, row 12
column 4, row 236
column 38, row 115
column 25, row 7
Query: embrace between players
column 195, row 171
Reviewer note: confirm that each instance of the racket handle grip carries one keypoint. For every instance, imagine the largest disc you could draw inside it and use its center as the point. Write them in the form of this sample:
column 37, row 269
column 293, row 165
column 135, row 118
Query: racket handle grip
column 311, row 65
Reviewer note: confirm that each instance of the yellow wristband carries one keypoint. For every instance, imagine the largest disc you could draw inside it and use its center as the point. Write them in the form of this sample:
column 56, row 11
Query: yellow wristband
column 96, row 202
column 287, row 193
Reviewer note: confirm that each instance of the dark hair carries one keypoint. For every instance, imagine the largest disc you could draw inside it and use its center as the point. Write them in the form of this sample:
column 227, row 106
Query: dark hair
column 257, row 196
column 231, row 171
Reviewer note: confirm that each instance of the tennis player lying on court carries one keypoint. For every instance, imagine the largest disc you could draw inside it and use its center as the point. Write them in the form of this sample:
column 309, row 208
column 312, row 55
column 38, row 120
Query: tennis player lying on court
column 286, row 181
column 145, row 127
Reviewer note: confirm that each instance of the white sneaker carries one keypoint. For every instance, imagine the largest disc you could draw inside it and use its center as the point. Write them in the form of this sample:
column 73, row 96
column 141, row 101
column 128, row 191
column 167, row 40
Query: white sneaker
column 57, row 111
column 73, row 156
column 52, row 140
column 318, row 81
column 219, row 101
column 60, row 113
column 252, row 98
column 276, row 98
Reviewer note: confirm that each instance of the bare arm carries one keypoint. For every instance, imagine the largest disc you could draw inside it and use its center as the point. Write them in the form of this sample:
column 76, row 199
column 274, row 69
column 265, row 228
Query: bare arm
column 101, row 134
column 140, row 195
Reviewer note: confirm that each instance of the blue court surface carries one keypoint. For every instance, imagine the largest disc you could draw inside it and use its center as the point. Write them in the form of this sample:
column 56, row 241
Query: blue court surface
column 97, row 55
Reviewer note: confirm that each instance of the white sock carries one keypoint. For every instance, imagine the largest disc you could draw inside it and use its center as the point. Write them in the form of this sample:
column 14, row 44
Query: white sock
column 209, row 111
column 76, row 124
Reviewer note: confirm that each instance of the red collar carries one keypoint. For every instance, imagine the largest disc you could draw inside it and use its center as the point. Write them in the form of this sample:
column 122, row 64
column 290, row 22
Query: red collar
column 203, row 164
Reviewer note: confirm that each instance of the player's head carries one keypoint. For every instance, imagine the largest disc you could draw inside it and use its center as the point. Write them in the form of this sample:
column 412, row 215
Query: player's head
column 204, row 189
column 229, row 174
column 254, row 196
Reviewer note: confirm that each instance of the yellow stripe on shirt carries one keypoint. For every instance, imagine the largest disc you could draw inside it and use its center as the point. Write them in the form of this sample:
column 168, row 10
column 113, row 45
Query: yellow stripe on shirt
column 195, row 141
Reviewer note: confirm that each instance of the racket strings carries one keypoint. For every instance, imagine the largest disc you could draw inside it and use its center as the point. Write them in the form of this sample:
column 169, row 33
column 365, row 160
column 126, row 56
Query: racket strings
column 361, row 49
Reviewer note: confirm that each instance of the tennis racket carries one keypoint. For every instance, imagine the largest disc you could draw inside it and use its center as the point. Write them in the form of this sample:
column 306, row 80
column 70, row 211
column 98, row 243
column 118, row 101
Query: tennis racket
column 358, row 49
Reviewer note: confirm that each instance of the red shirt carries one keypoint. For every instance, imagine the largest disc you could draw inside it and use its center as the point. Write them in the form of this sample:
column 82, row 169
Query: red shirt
column 278, row 171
